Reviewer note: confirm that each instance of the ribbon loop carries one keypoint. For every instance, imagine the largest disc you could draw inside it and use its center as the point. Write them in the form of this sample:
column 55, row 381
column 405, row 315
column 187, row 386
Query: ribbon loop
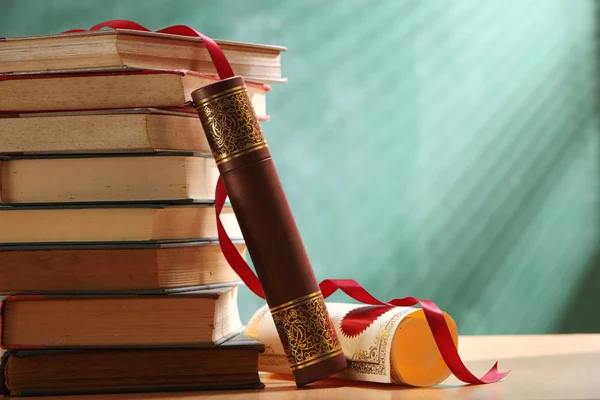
column 351, row 288
column 120, row 24
column 218, row 58
column 233, row 257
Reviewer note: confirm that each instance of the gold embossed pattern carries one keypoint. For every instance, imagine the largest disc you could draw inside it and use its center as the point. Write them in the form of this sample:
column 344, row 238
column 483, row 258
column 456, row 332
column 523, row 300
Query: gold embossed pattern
column 231, row 124
column 373, row 360
column 306, row 331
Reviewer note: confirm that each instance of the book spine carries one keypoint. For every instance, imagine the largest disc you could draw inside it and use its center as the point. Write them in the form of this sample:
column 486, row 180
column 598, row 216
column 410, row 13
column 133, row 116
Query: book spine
column 269, row 229
column 2, row 316
column 4, row 389
column 3, row 305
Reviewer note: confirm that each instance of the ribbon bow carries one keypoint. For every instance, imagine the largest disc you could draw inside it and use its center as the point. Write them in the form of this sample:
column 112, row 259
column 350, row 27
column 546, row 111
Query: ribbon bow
column 433, row 314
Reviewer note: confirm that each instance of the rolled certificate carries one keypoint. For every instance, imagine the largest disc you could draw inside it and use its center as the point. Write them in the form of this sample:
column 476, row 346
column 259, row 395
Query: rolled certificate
column 381, row 344
column 307, row 335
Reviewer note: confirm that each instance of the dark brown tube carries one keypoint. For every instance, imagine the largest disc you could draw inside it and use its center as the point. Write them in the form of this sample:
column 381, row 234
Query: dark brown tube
column 269, row 229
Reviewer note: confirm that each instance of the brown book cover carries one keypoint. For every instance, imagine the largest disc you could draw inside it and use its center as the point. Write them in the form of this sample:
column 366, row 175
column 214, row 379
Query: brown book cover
column 147, row 268
column 189, row 319
column 125, row 49
column 231, row 365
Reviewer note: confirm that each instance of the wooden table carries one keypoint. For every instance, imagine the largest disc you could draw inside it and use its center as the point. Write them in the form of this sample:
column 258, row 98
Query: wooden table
column 543, row 367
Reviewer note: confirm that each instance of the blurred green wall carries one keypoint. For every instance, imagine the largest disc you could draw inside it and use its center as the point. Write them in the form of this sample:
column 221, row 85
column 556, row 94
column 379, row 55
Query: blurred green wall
column 441, row 149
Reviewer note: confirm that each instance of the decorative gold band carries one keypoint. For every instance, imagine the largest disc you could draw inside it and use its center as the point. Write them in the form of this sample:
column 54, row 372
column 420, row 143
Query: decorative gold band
column 241, row 152
column 306, row 331
column 317, row 359
column 225, row 93
column 295, row 302
column 230, row 124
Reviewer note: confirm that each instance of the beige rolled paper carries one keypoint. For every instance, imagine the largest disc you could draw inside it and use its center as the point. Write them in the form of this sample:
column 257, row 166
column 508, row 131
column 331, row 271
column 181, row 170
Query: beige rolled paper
column 396, row 348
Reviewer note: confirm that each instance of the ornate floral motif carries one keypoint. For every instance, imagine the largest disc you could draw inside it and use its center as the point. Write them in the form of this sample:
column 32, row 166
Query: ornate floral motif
column 232, row 127
column 372, row 361
column 306, row 331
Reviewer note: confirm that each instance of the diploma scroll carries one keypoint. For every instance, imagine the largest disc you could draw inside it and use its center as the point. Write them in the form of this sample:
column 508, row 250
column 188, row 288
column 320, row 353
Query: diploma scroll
column 381, row 344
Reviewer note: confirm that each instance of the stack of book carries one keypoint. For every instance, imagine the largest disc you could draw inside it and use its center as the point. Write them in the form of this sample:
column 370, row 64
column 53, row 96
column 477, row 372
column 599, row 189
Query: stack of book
column 108, row 246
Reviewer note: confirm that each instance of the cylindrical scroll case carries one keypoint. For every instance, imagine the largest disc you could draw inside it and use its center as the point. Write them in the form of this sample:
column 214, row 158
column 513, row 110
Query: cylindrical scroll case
column 269, row 229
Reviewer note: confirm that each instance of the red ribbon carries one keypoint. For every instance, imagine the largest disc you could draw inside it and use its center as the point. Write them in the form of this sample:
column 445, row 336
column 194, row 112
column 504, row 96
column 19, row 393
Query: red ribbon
column 221, row 64
column 434, row 316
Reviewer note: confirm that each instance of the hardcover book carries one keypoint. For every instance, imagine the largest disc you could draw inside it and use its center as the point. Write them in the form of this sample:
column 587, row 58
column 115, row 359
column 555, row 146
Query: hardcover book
column 123, row 49
column 231, row 365
column 112, row 223
column 115, row 268
column 159, row 178
column 202, row 318
column 102, row 90
column 137, row 130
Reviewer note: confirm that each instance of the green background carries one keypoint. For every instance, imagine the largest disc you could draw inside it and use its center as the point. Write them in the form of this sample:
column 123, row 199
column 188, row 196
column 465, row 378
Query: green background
column 447, row 150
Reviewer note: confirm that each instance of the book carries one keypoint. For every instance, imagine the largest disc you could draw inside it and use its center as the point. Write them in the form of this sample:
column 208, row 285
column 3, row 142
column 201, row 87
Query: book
column 111, row 223
column 115, row 268
column 163, row 177
column 230, row 365
column 138, row 130
column 93, row 91
column 202, row 318
column 123, row 49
